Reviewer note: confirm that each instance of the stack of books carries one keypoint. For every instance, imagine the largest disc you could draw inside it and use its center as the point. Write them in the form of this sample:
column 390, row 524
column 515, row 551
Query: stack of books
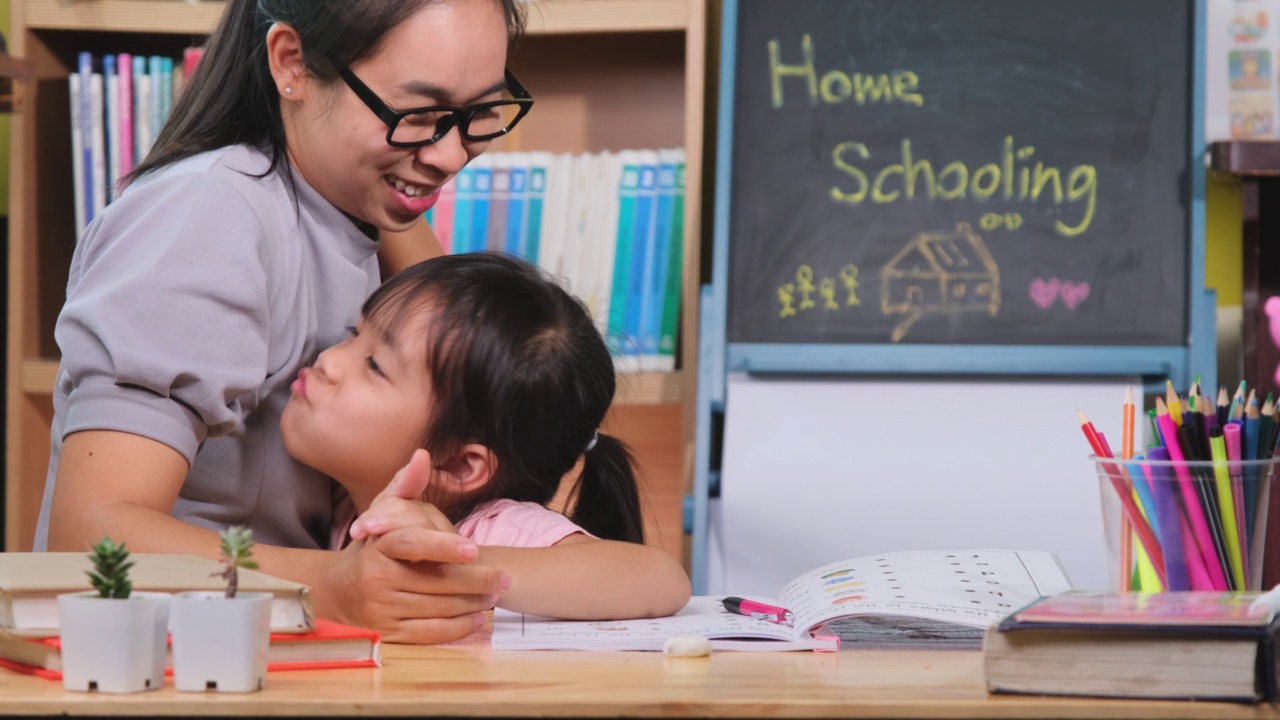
column 1175, row 645
column 31, row 582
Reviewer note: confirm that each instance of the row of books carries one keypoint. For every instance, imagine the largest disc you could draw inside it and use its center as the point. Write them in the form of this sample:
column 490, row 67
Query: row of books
column 609, row 226
column 118, row 105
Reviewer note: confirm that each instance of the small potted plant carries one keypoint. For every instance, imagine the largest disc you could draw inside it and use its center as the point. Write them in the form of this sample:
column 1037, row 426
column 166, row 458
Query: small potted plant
column 113, row 639
column 220, row 638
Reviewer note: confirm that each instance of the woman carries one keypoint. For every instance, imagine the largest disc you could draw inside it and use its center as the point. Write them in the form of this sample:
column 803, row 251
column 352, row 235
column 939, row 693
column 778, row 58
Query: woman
column 244, row 245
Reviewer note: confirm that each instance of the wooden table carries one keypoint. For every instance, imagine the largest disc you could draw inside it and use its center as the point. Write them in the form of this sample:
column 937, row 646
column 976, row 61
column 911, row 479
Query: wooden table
column 470, row 680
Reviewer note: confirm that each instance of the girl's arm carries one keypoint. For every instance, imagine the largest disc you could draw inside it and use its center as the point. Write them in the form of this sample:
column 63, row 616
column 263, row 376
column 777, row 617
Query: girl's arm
column 399, row 250
column 585, row 578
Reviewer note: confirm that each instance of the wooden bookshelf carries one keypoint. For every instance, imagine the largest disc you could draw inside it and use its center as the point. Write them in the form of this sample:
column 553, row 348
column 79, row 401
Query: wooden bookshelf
column 198, row 18
column 608, row 75
column 648, row 388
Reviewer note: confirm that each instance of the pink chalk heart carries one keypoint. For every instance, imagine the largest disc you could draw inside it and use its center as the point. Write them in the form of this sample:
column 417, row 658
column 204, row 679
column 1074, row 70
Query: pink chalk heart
column 1044, row 292
column 1074, row 293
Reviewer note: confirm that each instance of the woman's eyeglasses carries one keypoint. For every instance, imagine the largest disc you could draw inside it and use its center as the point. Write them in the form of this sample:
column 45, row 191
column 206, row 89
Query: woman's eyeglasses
column 423, row 126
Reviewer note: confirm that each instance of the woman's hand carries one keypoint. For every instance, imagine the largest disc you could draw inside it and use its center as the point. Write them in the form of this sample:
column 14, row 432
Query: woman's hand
column 407, row 574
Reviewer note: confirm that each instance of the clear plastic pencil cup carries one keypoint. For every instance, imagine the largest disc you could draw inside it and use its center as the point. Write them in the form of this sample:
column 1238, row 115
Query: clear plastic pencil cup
column 1189, row 525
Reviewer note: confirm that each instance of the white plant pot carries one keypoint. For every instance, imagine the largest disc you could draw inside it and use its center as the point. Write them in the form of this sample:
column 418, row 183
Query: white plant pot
column 113, row 645
column 220, row 643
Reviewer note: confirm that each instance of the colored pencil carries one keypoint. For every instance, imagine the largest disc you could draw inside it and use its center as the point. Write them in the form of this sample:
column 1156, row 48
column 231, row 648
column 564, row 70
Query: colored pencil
column 1191, row 502
column 1169, row 518
column 1124, row 492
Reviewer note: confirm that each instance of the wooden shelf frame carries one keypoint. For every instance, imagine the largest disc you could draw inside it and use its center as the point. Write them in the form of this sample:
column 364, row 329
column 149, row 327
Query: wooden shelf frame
column 644, row 388
column 550, row 17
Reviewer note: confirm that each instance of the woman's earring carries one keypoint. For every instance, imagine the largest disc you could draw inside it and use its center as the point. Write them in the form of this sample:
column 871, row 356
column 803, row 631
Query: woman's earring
column 288, row 90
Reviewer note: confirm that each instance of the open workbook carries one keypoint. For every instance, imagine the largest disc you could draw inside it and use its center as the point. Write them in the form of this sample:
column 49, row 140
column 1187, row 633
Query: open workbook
column 893, row 599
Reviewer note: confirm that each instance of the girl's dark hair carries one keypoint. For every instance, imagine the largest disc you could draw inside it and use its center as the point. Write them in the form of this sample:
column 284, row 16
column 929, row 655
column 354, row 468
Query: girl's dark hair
column 232, row 99
column 516, row 365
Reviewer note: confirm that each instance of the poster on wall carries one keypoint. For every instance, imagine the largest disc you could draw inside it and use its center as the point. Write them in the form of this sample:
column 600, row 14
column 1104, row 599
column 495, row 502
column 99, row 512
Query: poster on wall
column 1241, row 94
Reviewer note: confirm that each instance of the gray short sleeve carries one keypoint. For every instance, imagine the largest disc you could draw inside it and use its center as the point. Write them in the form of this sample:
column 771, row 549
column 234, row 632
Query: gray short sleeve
column 163, row 335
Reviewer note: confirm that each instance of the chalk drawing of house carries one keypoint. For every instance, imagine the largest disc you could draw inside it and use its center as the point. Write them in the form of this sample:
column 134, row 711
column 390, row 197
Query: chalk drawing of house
column 939, row 272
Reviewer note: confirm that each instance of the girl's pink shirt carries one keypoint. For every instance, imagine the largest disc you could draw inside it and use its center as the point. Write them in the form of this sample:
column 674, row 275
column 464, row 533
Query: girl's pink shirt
column 500, row 522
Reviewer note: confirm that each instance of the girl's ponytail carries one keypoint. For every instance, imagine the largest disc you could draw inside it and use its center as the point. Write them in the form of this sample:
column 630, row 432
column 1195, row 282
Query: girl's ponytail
column 607, row 498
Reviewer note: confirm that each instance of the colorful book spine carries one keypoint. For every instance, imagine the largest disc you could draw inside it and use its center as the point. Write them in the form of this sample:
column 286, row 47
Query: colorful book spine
column 531, row 246
column 442, row 215
column 465, row 182
column 616, row 328
column 675, row 275
column 656, row 272
column 516, row 203
column 166, row 91
column 555, row 213
column 98, row 140
column 85, row 70
column 141, row 109
column 603, row 229
column 111, row 99
column 124, row 68
column 190, row 59
column 499, row 199
column 77, row 155
column 156, row 104
column 641, row 250
column 480, row 199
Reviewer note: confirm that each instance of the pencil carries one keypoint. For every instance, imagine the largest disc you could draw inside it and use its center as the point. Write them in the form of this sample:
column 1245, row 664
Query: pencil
column 1224, row 405
column 1126, row 446
column 1231, row 439
column 1123, row 488
column 1227, row 508
column 1237, row 403
column 1178, row 546
column 1202, row 480
column 1199, row 526
column 1174, row 403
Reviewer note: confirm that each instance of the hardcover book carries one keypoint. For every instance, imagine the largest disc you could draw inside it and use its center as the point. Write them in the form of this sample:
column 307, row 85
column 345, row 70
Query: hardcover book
column 31, row 582
column 1185, row 645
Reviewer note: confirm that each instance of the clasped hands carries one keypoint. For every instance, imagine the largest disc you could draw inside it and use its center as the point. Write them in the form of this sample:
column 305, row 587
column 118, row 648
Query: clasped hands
column 407, row 573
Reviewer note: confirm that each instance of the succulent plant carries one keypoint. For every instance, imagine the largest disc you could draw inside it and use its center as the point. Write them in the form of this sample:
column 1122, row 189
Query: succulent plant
column 237, row 552
column 111, row 563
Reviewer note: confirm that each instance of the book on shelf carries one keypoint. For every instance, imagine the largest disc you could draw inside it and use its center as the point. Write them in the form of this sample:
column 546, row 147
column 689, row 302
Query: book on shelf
column 675, row 270
column 31, row 582
column 881, row 600
column 328, row 645
column 1175, row 645
column 608, row 226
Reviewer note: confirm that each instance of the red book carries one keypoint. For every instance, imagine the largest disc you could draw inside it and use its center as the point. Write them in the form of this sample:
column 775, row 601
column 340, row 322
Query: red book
column 190, row 58
column 329, row 645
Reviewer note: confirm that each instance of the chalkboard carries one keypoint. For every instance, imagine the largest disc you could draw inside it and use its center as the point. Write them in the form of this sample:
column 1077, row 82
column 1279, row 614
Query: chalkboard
column 1008, row 172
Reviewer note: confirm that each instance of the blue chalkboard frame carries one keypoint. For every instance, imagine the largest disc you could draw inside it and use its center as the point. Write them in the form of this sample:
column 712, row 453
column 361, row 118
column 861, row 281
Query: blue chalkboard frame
column 1155, row 364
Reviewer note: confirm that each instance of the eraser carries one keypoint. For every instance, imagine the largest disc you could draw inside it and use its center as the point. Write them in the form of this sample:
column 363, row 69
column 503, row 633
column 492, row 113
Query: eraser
column 687, row 646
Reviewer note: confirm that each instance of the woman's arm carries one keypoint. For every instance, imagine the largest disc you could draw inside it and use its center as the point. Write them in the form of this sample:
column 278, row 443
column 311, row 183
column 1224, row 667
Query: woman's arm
column 399, row 250
column 405, row 584
column 585, row 578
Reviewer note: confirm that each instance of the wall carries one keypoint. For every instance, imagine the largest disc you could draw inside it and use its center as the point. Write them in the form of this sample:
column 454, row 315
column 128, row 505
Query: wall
column 1224, row 265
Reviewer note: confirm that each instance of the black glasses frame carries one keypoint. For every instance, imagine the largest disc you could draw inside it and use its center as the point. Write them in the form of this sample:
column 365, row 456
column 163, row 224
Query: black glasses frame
column 456, row 115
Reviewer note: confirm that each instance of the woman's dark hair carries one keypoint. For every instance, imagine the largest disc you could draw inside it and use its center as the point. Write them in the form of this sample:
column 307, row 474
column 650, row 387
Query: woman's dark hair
column 516, row 365
column 232, row 99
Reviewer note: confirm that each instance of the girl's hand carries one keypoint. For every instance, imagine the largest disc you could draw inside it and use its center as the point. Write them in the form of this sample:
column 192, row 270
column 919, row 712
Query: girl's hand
column 397, row 507
column 409, row 575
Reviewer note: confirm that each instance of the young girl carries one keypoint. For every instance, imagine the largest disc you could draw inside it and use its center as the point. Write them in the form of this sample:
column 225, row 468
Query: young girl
column 503, row 379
